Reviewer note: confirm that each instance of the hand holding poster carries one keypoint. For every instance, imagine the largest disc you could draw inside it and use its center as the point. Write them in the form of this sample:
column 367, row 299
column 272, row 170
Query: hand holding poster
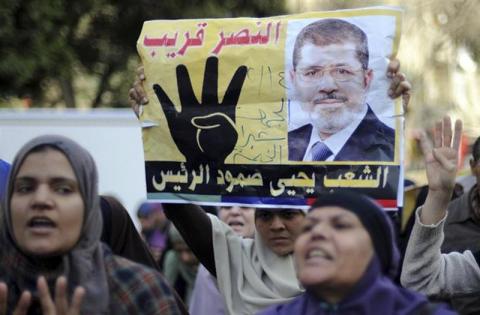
column 272, row 111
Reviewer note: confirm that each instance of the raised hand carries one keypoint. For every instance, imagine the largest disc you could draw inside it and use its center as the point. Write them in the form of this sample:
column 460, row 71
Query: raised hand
column 22, row 305
column 441, row 159
column 61, row 306
column 399, row 85
column 203, row 131
column 441, row 162
column 136, row 95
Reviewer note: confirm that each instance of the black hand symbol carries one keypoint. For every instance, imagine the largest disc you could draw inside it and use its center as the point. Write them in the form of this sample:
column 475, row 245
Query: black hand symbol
column 203, row 132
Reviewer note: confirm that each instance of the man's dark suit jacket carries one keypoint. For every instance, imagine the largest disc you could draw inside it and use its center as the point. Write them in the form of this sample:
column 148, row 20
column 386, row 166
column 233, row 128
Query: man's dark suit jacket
column 371, row 141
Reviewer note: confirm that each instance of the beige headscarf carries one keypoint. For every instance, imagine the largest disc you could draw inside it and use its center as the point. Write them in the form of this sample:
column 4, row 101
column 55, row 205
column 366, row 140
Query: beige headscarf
column 249, row 275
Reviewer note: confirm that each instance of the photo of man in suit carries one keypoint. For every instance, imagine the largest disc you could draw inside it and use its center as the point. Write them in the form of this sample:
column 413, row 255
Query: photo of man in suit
column 330, row 79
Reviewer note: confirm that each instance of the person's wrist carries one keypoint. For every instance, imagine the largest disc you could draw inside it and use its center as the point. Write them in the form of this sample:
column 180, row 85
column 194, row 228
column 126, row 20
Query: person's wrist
column 435, row 206
column 440, row 195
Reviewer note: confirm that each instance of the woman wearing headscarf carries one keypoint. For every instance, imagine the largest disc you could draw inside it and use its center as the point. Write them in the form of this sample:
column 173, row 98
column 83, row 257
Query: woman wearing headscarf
column 206, row 299
column 180, row 265
column 251, row 273
column 346, row 259
column 50, row 241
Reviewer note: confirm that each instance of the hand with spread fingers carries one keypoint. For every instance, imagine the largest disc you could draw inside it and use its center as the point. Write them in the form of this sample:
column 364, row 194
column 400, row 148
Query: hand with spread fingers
column 399, row 85
column 49, row 307
column 203, row 131
column 441, row 161
column 60, row 306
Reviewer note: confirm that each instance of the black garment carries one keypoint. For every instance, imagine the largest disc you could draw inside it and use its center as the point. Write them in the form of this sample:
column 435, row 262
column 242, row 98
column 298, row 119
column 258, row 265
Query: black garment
column 196, row 229
column 460, row 229
column 375, row 222
column 120, row 234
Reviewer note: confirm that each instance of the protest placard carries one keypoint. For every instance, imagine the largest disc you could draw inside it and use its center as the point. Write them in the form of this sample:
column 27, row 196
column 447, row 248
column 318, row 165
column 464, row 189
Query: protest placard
column 272, row 111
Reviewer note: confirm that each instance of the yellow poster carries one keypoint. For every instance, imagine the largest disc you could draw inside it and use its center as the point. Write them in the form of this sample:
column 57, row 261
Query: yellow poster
column 271, row 111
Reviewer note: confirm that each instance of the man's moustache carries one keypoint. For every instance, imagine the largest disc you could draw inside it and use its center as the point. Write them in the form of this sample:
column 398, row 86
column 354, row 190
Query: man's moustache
column 330, row 96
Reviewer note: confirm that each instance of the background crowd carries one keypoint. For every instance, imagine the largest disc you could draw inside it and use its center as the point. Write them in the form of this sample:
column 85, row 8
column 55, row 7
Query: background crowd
column 67, row 249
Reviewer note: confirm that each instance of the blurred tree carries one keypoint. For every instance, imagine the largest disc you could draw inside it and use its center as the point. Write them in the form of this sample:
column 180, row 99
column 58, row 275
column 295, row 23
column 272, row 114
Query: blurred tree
column 54, row 43
column 34, row 37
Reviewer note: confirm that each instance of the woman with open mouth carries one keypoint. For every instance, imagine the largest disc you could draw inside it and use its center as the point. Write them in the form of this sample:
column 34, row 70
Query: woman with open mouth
column 51, row 257
column 346, row 258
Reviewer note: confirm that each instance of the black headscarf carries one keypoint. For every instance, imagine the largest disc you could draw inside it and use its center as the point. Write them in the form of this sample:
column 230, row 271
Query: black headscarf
column 374, row 220
column 375, row 292
column 120, row 234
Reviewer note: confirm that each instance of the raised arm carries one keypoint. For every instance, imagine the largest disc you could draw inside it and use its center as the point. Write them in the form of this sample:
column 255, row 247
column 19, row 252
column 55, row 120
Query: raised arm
column 425, row 269
column 196, row 229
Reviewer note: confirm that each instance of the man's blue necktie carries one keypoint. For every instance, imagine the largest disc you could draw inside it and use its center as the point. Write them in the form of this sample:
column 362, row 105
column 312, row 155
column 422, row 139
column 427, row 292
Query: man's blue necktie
column 320, row 151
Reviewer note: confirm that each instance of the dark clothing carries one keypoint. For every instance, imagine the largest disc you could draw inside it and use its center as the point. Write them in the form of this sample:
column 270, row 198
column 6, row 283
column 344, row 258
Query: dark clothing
column 372, row 140
column 374, row 294
column 461, row 231
column 120, row 234
column 135, row 289
column 196, row 229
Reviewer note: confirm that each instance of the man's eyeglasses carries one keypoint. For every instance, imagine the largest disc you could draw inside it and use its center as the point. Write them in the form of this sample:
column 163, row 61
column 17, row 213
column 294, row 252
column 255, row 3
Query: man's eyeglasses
column 339, row 74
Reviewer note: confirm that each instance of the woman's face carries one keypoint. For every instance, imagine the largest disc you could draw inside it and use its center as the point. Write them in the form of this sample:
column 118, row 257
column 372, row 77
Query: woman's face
column 240, row 219
column 47, row 208
column 185, row 254
column 333, row 250
column 279, row 229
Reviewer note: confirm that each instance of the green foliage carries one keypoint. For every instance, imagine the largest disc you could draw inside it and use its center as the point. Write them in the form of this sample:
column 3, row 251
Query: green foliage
column 30, row 44
column 44, row 43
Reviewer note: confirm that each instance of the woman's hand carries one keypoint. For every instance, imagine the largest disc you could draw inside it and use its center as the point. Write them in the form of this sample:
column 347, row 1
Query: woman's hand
column 49, row 307
column 23, row 302
column 61, row 305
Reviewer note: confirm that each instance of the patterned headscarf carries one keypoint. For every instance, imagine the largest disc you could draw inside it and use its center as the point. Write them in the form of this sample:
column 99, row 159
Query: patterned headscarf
column 83, row 264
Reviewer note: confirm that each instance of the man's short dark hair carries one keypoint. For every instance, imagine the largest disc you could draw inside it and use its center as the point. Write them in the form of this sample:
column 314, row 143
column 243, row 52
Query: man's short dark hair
column 332, row 31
